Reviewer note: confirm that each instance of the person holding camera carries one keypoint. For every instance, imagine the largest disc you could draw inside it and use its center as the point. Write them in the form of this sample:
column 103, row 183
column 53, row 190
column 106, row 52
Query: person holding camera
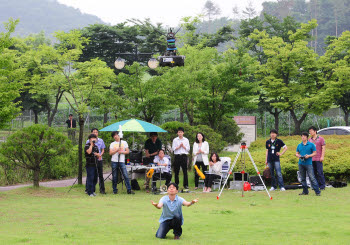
column 99, row 173
column 305, row 151
column 118, row 149
column 91, row 155
column 273, row 148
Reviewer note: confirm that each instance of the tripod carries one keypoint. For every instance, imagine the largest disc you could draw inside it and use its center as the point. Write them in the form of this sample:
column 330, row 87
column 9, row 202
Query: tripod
column 242, row 150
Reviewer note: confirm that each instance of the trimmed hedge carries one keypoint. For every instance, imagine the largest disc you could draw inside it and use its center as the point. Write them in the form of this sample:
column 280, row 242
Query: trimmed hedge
column 336, row 163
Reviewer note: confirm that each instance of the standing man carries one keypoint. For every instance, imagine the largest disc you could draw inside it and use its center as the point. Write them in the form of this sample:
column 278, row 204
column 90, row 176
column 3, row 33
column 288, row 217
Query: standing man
column 305, row 151
column 171, row 217
column 101, row 149
column 181, row 147
column 91, row 155
column 117, row 150
column 273, row 148
column 71, row 126
column 317, row 161
column 152, row 146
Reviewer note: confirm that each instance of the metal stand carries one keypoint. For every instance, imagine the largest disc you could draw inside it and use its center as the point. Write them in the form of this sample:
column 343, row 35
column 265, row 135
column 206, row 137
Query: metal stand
column 243, row 149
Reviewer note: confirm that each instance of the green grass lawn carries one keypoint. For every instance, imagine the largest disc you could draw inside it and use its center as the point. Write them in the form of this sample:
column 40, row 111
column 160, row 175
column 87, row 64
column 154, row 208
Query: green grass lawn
column 51, row 216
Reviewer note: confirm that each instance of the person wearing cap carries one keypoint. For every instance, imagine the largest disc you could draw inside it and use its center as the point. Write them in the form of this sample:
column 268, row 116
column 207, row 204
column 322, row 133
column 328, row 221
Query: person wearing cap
column 171, row 217
column 273, row 148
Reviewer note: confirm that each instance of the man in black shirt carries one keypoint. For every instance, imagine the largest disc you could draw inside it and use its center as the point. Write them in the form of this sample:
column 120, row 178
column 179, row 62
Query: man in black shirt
column 91, row 155
column 71, row 126
column 273, row 148
column 152, row 147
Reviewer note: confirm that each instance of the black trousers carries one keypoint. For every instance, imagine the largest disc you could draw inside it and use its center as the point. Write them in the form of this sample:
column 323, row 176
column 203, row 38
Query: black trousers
column 196, row 176
column 209, row 178
column 181, row 161
column 156, row 176
column 99, row 176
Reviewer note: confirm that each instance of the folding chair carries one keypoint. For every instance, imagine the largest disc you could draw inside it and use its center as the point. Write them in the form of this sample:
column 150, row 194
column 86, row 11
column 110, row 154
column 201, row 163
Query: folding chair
column 224, row 171
column 160, row 178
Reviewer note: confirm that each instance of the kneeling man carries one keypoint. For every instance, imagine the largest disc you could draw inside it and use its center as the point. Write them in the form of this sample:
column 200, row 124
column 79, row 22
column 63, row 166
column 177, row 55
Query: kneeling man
column 171, row 217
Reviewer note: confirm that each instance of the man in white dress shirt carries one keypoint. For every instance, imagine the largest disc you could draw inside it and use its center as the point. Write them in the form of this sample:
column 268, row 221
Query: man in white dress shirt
column 181, row 147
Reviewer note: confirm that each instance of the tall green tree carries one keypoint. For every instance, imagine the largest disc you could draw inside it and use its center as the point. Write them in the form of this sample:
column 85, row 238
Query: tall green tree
column 336, row 67
column 293, row 75
column 82, row 79
column 10, row 75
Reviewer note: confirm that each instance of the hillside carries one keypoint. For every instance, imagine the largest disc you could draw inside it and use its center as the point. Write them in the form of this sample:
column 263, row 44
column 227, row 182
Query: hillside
column 43, row 15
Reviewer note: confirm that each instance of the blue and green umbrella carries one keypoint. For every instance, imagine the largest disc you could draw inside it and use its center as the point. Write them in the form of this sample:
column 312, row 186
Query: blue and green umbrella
column 134, row 125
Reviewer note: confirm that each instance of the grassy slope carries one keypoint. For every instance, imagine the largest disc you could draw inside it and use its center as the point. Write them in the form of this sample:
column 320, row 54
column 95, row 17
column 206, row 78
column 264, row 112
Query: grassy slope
column 50, row 216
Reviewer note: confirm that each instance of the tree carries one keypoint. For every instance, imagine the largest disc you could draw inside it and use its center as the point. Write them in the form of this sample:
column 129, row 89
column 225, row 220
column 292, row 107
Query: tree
column 274, row 28
column 293, row 75
column 211, row 9
column 10, row 76
column 82, row 79
column 236, row 13
column 146, row 95
column 32, row 147
column 336, row 67
column 226, row 87
column 249, row 11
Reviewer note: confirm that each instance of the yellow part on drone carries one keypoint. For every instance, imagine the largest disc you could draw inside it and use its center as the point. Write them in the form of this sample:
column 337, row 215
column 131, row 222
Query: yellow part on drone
column 199, row 172
column 150, row 173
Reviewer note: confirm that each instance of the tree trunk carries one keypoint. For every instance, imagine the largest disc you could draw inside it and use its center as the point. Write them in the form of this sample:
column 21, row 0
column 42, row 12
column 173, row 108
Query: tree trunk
column 277, row 121
column 346, row 118
column 36, row 118
column 105, row 118
column 297, row 121
column 36, row 177
column 181, row 116
column 80, row 149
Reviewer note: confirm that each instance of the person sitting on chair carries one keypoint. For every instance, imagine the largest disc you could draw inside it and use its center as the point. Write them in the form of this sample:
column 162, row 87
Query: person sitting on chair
column 171, row 217
column 162, row 160
column 215, row 166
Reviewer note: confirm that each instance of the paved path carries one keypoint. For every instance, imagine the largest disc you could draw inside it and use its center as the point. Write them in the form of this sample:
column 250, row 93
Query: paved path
column 54, row 183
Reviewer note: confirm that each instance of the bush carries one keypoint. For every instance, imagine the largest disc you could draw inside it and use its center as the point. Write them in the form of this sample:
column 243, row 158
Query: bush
column 336, row 163
column 33, row 147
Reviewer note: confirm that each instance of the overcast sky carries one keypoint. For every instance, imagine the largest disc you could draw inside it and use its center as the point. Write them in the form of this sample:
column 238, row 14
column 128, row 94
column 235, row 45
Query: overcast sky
column 168, row 12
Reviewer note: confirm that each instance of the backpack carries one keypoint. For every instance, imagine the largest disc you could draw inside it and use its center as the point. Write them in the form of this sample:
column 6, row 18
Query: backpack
column 135, row 185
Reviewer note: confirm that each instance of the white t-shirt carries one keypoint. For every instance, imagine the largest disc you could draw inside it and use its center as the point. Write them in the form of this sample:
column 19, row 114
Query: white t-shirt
column 115, row 145
column 165, row 160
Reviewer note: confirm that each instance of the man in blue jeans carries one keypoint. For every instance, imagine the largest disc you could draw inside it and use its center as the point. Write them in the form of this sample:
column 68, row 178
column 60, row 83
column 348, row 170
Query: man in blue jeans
column 305, row 151
column 273, row 148
column 117, row 150
column 171, row 217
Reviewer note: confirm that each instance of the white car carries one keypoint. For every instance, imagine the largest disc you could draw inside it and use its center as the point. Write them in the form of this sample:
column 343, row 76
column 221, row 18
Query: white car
column 339, row 130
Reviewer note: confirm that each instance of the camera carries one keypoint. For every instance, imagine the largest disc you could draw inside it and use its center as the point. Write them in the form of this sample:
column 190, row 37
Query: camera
column 302, row 158
column 94, row 141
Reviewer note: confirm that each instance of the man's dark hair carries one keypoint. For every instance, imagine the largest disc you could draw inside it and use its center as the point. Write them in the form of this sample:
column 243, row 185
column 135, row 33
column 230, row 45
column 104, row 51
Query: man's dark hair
column 153, row 134
column 174, row 184
column 305, row 133
column 313, row 128
column 161, row 150
column 92, row 136
column 114, row 133
column 70, row 115
column 180, row 129
column 197, row 141
column 92, row 130
column 217, row 157
column 273, row 131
